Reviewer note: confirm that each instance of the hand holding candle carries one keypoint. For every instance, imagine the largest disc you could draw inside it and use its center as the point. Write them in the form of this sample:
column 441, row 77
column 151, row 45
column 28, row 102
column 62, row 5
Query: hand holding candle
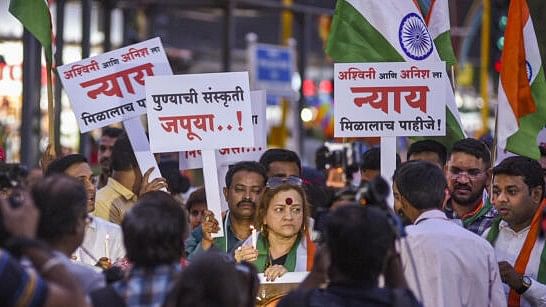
column 254, row 236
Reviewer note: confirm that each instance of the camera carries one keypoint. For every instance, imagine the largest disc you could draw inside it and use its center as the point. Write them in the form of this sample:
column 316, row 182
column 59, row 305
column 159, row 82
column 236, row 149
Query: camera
column 12, row 176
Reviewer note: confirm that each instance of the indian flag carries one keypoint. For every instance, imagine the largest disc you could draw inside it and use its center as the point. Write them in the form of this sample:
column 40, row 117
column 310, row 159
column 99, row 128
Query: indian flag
column 35, row 17
column 389, row 31
column 522, row 87
column 436, row 13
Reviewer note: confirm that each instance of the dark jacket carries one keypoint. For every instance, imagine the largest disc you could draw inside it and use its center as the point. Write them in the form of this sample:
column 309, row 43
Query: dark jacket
column 349, row 296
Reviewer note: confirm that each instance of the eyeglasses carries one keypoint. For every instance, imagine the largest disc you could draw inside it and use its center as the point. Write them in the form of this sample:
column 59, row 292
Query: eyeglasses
column 273, row 182
column 471, row 174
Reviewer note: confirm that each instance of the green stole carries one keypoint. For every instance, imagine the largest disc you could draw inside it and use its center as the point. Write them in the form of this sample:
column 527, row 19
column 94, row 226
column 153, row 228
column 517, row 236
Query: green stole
column 263, row 255
column 492, row 238
column 480, row 213
column 221, row 242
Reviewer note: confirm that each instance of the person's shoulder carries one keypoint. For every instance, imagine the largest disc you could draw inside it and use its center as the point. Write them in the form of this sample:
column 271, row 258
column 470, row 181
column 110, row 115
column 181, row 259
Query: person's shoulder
column 102, row 223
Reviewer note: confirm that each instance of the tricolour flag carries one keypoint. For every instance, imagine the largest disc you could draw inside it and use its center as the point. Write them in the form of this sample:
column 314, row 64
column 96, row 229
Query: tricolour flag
column 35, row 17
column 522, row 86
column 436, row 13
column 388, row 31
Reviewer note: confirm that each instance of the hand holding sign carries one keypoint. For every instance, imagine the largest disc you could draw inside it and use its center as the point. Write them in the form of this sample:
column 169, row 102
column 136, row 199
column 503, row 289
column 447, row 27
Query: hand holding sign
column 155, row 185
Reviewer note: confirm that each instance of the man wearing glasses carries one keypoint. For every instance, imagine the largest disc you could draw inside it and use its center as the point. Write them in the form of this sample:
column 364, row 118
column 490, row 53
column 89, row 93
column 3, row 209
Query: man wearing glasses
column 245, row 183
column 467, row 173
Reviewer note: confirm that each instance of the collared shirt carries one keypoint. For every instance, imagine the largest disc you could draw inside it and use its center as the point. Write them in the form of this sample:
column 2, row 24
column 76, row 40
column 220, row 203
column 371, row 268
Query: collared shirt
column 447, row 265
column 147, row 287
column 476, row 224
column 95, row 242
column 20, row 287
column 507, row 248
column 113, row 201
column 193, row 243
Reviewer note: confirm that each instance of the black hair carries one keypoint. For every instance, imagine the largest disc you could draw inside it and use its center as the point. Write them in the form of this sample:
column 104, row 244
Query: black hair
column 475, row 148
column 279, row 155
column 529, row 169
column 123, row 158
column 112, row 132
column 358, row 239
column 371, row 160
column 428, row 146
column 198, row 196
column 249, row 166
column 213, row 280
column 62, row 201
column 154, row 230
column 60, row 165
column 176, row 182
column 421, row 183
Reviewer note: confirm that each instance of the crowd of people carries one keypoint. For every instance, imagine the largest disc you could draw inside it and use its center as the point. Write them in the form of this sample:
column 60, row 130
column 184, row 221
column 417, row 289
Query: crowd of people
column 463, row 231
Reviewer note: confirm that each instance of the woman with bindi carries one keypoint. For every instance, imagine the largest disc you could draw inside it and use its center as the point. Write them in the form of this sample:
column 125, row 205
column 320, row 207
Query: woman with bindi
column 282, row 243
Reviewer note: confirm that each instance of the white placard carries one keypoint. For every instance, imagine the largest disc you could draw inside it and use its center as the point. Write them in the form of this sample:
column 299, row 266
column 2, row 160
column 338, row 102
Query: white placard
column 201, row 111
column 109, row 88
column 287, row 278
column 225, row 156
column 389, row 99
column 211, row 189
column 141, row 147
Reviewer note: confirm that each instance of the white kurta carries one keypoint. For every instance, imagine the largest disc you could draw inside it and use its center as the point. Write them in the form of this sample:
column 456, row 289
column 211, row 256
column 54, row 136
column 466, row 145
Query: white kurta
column 94, row 243
column 453, row 266
column 507, row 248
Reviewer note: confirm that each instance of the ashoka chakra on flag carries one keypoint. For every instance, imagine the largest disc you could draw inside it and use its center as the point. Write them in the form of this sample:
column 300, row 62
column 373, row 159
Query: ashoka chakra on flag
column 414, row 37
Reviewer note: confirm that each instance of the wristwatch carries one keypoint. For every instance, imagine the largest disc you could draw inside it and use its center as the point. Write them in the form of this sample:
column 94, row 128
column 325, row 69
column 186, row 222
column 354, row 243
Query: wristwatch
column 525, row 284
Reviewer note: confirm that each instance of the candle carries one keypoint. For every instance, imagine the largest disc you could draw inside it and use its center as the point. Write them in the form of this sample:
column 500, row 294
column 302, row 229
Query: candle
column 106, row 247
column 253, row 236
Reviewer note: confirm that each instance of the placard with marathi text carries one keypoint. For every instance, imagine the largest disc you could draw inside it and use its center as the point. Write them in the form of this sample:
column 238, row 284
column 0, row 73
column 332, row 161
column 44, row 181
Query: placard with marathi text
column 225, row 156
column 109, row 88
column 200, row 111
column 389, row 99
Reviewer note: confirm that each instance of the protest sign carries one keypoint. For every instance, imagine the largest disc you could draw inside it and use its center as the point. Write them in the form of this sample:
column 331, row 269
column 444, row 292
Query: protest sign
column 109, row 88
column 225, row 156
column 389, row 99
column 141, row 147
column 202, row 111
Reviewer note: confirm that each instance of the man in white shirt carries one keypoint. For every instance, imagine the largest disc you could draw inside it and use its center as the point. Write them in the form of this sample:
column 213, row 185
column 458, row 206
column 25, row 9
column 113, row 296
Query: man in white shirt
column 102, row 238
column 518, row 191
column 444, row 264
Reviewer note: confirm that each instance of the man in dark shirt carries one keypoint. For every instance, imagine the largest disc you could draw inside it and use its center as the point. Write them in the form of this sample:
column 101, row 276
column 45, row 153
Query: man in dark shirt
column 366, row 232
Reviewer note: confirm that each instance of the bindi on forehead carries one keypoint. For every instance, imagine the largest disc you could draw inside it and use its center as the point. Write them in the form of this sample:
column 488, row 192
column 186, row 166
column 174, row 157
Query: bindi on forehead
column 288, row 201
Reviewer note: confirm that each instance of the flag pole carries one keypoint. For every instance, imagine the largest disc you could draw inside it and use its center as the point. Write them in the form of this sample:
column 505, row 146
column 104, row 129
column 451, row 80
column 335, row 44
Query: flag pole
column 484, row 69
column 50, row 112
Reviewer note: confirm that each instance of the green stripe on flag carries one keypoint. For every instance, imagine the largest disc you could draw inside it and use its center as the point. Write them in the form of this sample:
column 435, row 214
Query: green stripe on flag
column 524, row 141
column 35, row 17
column 445, row 49
column 353, row 39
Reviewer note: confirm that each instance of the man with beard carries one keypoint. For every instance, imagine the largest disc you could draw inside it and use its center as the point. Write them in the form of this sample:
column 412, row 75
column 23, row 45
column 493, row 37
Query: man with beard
column 245, row 183
column 106, row 143
column 93, row 245
column 467, row 173
column 518, row 191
